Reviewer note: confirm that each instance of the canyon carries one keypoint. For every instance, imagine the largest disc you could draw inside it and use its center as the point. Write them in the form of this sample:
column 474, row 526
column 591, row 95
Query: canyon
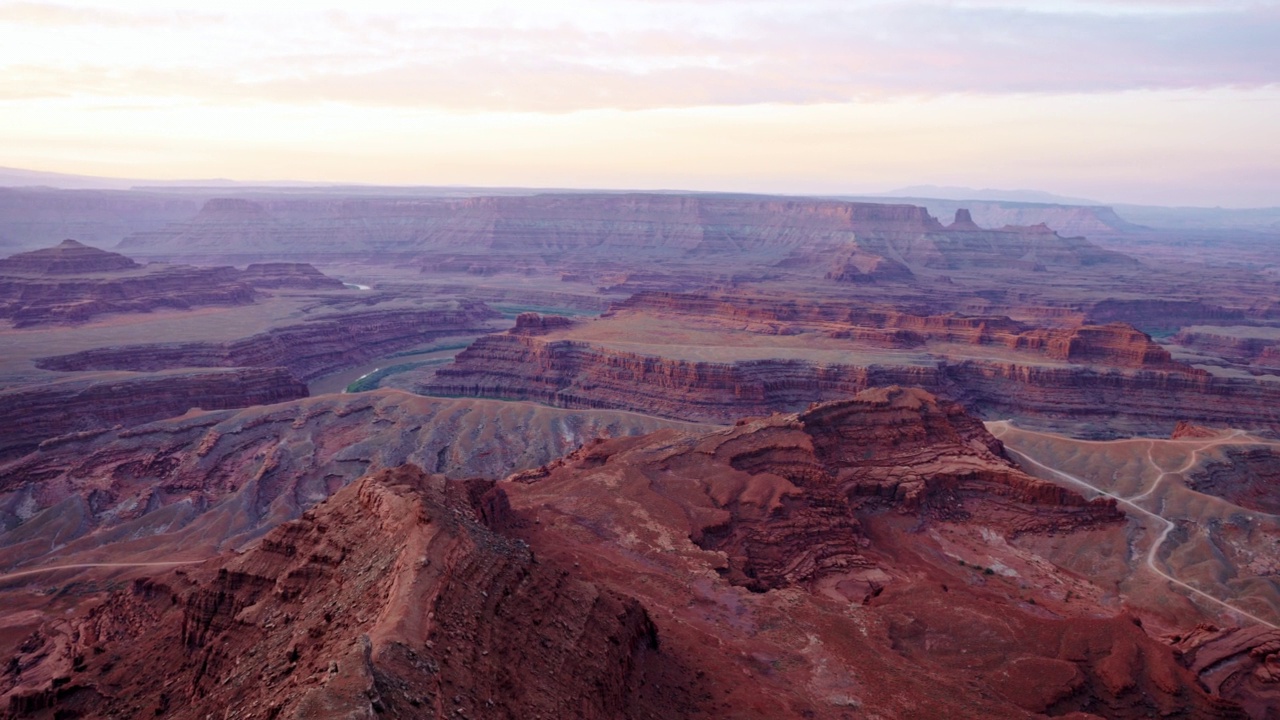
column 416, row 452
column 735, row 355
column 480, row 573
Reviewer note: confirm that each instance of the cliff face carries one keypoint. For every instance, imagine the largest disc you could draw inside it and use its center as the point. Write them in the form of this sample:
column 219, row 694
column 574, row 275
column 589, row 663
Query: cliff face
column 568, row 373
column 34, row 217
column 288, row 275
column 31, row 301
column 1112, row 345
column 67, row 258
column 794, row 566
column 571, row 374
column 31, row 414
column 308, row 350
column 803, row 545
column 1262, row 349
column 72, row 283
column 615, row 228
column 392, row 599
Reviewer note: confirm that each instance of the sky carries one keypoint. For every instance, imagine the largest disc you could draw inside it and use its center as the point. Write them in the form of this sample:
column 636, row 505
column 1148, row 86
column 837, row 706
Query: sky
column 1170, row 102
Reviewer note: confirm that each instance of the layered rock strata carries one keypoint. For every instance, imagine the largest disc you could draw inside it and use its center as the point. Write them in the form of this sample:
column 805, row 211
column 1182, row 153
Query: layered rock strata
column 288, row 275
column 1111, row 345
column 30, row 414
column 308, row 350
column 67, row 258
column 588, row 228
column 575, row 374
column 799, row 551
column 390, row 600
column 799, row 566
column 73, row 283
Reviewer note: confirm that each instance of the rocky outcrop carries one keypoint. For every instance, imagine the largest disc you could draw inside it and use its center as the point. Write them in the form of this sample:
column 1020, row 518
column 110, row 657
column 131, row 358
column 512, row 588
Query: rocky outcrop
column 1112, row 345
column 391, row 599
column 73, row 283
column 855, row 265
column 1248, row 477
column 29, row 414
column 794, row 566
column 316, row 347
column 779, row 496
column 288, row 275
column 1190, row 431
column 963, row 222
column 531, row 323
column 1093, row 400
column 573, row 374
column 1240, row 664
column 29, row 301
column 214, row 481
column 67, row 258
column 1245, row 346
column 828, row 519
column 1162, row 315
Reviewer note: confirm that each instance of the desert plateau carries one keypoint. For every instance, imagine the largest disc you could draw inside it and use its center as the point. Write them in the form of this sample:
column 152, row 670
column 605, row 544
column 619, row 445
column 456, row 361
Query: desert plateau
column 640, row 361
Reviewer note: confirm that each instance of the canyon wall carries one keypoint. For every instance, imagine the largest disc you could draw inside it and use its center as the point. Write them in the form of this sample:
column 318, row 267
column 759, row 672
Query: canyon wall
column 308, row 350
column 29, row 414
column 612, row 228
column 568, row 373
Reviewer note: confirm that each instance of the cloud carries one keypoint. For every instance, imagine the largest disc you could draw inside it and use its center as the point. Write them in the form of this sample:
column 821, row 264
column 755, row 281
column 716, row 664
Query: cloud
column 636, row 54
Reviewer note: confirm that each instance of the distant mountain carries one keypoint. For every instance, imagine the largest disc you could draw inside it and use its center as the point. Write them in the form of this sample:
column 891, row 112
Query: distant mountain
column 951, row 192
column 17, row 177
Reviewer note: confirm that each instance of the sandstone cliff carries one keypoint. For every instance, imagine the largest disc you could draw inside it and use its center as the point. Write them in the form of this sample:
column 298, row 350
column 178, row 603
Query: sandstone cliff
column 815, row 556
column 390, row 600
column 319, row 346
column 799, row 566
column 67, row 258
column 72, row 283
column 617, row 228
column 1087, row 399
column 29, row 414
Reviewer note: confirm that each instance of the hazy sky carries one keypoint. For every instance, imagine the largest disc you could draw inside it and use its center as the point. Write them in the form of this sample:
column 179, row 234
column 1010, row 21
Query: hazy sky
column 1157, row 101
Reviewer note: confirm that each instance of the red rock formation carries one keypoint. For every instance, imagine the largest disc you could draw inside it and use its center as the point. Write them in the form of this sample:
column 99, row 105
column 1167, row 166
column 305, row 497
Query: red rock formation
column 1240, row 664
column 391, row 599
column 29, row 414
column 73, row 283
column 830, row 515
column 1248, row 477
column 858, row 266
column 67, row 258
column 574, row 374
column 288, row 275
column 963, row 222
column 531, row 323
column 309, row 350
column 1190, row 431
column 1157, row 314
column 1262, row 349
column 1113, row 345
column 571, row 374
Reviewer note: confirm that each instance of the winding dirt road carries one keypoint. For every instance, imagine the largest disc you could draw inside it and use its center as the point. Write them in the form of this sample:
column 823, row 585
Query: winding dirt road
column 1002, row 428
